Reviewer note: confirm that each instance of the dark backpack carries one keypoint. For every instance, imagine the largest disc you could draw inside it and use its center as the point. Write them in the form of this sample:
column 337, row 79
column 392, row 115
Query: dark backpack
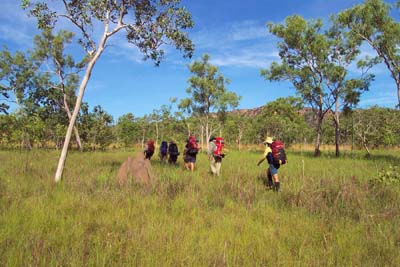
column 173, row 149
column 164, row 148
column 278, row 152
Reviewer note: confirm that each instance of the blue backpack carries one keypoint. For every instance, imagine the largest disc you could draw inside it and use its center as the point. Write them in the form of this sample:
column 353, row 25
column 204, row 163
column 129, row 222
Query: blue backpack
column 164, row 148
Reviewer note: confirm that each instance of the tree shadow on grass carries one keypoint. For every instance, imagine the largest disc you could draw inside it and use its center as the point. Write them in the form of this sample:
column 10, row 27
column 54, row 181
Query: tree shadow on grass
column 359, row 154
column 113, row 164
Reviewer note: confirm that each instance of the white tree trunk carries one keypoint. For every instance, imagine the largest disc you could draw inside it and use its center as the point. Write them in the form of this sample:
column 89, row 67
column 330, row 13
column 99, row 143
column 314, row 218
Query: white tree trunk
column 202, row 137
column 156, row 134
column 337, row 126
column 82, row 87
column 240, row 138
column 207, row 134
column 76, row 133
column 144, row 132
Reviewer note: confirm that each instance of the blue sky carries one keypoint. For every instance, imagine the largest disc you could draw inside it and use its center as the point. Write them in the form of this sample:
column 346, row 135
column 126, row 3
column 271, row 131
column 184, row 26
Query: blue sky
column 232, row 32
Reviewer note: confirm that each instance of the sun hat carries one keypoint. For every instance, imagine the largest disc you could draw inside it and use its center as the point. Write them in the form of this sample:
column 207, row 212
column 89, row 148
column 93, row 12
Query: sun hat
column 268, row 140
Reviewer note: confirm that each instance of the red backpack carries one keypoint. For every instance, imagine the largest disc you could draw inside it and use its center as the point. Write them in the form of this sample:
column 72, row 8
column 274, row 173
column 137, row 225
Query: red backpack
column 219, row 141
column 193, row 148
column 150, row 145
column 278, row 152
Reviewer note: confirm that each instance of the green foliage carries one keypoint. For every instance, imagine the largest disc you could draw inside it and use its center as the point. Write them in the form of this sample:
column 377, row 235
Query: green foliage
column 96, row 127
column 208, row 93
column 149, row 24
column 207, row 90
column 371, row 22
column 127, row 129
column 389, row 176
column 377, row 126
column 17, row 73
column 282, row 120
column 315, row 62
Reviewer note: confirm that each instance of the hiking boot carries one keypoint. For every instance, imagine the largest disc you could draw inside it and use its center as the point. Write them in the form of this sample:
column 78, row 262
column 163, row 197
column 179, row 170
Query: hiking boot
column 277, row 185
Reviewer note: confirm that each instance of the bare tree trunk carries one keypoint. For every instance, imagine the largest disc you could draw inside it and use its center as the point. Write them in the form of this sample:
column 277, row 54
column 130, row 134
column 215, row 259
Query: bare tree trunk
column 66, row 106
column 337, row 130
column 156, row 134
column 240, row 138
column 365, row 145
column 77, row 107
column 76, row 133
column 317, row 151
column 207, row 134
column 144, row 132
column 188, row 129
column 202, row 137
column 398, row 91
column 352, row 133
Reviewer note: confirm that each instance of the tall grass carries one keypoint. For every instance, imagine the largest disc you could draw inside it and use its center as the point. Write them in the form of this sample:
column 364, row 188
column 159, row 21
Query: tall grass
column 327, row 213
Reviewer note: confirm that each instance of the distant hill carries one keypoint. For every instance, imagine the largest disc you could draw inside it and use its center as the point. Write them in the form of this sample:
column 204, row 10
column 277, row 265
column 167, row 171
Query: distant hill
column 252, row 112
column 249, row 112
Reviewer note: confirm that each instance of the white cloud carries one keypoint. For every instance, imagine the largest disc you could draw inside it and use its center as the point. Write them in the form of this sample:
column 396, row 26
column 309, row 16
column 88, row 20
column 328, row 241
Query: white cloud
column 15, row 35
column 249, row 57
column 16, row 26
column 11, row 11
column 380, row 99
column 119, row 49
column 241, row 44
column 248, row 30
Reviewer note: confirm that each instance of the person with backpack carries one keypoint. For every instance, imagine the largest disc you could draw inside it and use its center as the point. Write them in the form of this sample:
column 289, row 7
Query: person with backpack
column 173, row 152
column 149, row 150
column 215, row 154
column 190, row 153
column 163, row 151
column 276, row 156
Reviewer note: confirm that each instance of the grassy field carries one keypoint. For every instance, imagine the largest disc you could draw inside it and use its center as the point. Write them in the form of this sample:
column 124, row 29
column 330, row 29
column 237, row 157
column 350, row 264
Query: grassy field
column 329, row 212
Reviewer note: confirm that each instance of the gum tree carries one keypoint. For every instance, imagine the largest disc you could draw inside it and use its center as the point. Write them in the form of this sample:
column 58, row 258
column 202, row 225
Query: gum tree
column 17, row 78
column 315, row 62
column 62, row 72
column 207, row 93
column 371, row 23
column 148, row 25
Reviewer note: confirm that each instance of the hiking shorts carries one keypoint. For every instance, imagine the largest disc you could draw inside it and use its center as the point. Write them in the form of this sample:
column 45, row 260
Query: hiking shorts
column 189, row 159
column 273, row 169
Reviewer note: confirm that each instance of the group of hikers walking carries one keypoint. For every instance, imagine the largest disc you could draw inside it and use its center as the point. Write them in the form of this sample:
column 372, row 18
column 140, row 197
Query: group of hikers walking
column 274, row 154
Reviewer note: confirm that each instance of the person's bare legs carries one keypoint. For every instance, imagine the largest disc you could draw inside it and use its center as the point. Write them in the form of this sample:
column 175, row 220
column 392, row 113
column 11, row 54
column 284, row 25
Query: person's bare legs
column 186, row 164
column 191, row 166
column 270, row 182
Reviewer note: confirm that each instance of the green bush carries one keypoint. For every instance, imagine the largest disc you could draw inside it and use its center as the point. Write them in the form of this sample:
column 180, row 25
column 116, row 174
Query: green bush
column 389, row 176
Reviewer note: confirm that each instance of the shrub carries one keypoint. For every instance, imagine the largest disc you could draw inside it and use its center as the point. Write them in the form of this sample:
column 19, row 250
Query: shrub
column 389, row 176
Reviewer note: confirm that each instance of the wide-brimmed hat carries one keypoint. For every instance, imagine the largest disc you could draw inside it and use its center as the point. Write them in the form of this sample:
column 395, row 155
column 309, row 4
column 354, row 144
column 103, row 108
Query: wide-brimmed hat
column 268, row 140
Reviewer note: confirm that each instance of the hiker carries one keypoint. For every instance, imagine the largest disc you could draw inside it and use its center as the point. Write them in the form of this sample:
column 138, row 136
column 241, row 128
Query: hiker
column 215, row 154
column 149, row 151
column 172, row 152
column 190, row 153
column 163, row 151
column 276, row 156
